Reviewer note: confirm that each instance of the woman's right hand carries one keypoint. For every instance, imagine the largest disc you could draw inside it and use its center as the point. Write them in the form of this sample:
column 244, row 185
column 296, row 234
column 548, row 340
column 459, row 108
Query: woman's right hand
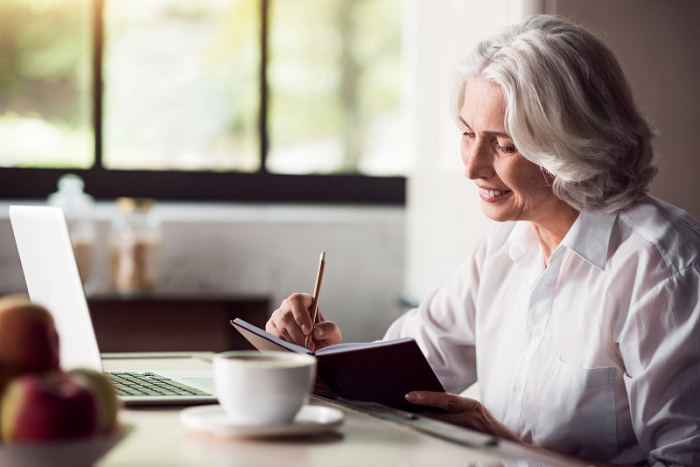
column 292, row 322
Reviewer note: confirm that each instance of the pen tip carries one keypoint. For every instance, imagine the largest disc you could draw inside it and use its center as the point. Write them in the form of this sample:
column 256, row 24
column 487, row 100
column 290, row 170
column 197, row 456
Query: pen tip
column 323, row 256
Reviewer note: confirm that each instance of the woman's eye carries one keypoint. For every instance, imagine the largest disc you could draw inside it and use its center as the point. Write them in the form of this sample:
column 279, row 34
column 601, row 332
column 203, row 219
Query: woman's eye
column 507, row 149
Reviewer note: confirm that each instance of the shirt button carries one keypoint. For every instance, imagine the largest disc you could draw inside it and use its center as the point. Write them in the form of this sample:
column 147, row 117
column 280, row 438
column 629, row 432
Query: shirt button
column 537, row 332
column 518, row 388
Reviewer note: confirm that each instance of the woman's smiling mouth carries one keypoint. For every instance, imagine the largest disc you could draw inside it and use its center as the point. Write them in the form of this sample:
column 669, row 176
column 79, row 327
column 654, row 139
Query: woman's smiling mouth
column 492, row 195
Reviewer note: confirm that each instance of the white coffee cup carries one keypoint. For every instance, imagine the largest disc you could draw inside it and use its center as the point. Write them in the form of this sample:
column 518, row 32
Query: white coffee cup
column 263, row 388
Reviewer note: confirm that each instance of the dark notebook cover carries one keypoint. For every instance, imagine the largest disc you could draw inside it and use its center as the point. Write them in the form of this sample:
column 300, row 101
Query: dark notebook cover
column 381, row 372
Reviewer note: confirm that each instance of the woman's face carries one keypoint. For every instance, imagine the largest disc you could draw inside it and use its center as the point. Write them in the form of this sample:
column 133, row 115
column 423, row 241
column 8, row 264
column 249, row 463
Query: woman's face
column 510, row 186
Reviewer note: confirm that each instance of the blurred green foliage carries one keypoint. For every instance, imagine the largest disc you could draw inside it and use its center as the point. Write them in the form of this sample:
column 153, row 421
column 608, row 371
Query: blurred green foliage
column 182, row 84
column 44, row 58
column 44, row 83
column 335, row 73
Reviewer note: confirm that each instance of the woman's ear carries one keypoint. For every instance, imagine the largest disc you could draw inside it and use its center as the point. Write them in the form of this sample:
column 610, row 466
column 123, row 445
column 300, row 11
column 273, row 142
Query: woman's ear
column 547, row 176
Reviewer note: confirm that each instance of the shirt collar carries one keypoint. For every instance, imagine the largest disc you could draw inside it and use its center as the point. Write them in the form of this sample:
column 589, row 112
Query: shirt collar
column 522, row 239
column 588, row 237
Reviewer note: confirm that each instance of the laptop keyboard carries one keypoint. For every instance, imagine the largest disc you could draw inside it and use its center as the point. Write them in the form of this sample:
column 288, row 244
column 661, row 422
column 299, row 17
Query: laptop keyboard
column 150, row 384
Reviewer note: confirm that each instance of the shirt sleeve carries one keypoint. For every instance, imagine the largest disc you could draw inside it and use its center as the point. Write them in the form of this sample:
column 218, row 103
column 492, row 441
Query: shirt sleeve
column 660, row 345
column 443, row 326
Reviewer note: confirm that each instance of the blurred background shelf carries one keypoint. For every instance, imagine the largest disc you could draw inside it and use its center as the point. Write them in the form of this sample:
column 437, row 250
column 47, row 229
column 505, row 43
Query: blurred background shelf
column 154, row 323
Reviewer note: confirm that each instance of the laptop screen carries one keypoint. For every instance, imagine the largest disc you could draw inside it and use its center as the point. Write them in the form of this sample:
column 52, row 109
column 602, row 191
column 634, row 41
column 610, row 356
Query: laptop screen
column 52, row 278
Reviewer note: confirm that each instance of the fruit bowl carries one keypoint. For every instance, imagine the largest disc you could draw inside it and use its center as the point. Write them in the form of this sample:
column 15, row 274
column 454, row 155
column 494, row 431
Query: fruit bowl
column 74, row 453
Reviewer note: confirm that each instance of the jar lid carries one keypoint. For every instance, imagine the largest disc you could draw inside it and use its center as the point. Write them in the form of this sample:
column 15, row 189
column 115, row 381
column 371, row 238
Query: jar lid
column 71, row 197
column 135, row 204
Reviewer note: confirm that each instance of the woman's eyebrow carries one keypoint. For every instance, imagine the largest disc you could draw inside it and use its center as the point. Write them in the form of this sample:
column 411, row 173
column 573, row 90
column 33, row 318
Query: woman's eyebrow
column 491, row 133
column 498, row 133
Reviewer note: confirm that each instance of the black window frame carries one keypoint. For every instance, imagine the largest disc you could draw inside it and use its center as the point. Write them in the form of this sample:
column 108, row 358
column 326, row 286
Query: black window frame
column 260, row 186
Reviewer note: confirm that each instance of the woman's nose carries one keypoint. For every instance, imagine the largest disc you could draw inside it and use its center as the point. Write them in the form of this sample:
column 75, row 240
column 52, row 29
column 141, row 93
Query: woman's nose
column 478, row 162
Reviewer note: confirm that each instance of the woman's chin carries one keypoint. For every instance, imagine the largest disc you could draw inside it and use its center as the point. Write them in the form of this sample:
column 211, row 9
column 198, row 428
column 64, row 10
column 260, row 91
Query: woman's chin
column 497, row 213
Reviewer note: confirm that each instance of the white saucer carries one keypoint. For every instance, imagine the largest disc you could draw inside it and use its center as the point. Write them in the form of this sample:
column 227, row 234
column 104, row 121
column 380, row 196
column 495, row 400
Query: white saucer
column 311, row 419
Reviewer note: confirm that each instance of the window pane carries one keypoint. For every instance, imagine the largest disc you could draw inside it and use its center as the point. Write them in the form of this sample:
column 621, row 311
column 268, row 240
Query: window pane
column 45, row 69
column 335, row 86
column 181, row 84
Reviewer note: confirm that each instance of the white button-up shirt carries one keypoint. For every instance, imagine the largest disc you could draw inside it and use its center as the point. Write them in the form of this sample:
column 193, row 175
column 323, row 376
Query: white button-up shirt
column 597, row 355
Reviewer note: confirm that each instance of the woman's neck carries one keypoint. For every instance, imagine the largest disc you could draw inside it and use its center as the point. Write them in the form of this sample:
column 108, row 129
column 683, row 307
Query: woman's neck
column 552, row 231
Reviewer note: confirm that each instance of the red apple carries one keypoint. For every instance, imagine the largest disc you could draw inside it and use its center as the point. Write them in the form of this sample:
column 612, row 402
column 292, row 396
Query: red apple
column 50, row 406
column 28, row 338
column 106, row 396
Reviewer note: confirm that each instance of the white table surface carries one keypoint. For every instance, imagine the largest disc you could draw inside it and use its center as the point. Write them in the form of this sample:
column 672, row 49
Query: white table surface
column 158, row 439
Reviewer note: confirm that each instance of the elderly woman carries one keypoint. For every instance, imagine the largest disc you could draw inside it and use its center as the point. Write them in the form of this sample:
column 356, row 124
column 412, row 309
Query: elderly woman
column 579, row 313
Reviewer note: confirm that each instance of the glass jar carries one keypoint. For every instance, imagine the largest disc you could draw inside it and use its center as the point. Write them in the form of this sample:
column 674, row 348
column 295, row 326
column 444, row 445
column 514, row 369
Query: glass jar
column 135, row 240
column 77, row 206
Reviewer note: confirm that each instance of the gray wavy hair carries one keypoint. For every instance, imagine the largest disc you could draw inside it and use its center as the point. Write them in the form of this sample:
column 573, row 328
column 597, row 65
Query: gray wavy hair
column 569, row 109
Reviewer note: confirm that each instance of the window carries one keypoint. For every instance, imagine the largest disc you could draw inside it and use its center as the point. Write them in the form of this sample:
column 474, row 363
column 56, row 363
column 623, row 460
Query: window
column 45, row 84
column 249, row 100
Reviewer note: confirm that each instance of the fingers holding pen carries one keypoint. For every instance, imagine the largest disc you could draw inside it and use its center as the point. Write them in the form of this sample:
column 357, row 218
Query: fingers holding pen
column 286, row 323
column 326, row 333
column 299, row 305
column 282, row 333
column 290, row 319
column 294, row 320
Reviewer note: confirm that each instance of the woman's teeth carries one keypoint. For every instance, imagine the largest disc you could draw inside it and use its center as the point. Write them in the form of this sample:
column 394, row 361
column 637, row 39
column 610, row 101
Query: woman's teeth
column 492, row 193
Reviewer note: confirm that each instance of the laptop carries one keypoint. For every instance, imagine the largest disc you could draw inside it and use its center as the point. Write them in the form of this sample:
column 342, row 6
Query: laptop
column 52, row 278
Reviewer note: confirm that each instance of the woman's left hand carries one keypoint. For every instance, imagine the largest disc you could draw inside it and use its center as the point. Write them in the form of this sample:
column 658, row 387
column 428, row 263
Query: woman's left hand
column 462, row 411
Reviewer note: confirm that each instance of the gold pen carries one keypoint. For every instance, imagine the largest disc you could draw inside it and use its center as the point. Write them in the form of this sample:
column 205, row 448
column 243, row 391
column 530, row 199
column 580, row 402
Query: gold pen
column 314, row 302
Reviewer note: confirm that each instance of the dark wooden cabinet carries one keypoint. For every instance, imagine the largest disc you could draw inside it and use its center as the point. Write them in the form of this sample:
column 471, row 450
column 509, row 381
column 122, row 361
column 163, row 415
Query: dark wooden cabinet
column 156, row 323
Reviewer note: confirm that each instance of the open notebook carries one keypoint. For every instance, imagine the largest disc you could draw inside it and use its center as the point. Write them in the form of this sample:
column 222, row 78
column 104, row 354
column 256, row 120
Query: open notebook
column 381, row 371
